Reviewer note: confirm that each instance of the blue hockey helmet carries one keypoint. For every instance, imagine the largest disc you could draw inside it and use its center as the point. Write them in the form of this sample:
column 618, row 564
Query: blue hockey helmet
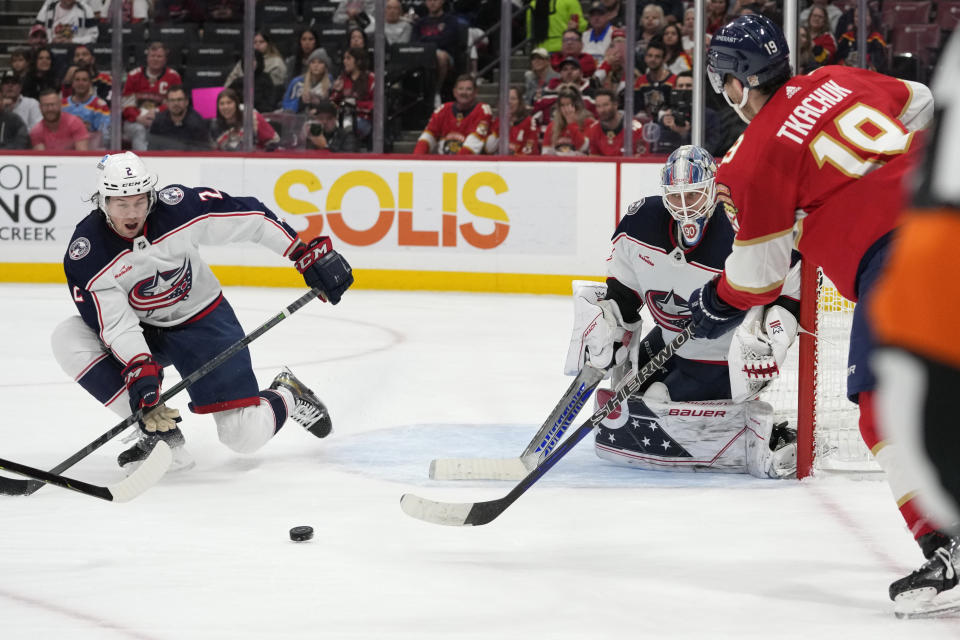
column 751, row 48
column 688, row 182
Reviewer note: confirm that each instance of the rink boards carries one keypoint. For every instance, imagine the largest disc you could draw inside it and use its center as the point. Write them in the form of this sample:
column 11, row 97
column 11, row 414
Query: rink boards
column 434, row 224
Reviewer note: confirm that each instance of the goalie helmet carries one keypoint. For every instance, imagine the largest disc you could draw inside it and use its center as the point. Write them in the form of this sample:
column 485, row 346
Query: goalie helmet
column 124, row 174
column 688, row 182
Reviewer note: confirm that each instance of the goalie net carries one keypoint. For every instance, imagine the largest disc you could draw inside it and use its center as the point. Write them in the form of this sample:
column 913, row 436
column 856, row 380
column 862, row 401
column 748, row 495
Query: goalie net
column 811, row 391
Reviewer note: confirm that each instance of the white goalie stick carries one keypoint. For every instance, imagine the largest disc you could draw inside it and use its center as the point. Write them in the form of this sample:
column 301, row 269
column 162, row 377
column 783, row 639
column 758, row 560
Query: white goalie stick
column 145, row 476
column 540, row 445
column 459, row 514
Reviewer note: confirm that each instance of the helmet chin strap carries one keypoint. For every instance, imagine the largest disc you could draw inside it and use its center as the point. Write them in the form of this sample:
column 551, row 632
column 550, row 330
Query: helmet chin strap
column 743, row 101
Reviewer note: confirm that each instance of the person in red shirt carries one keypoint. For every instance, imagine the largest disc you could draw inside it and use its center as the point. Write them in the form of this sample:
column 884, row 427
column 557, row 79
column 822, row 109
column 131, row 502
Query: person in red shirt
column 58, row 131
column 565, row 134
column 524, row 139
column 572, row 47
column 822, row 41
column 606, row 134
column 353, row 91
column 571, row 76
column 458, row 127
column 144, row 93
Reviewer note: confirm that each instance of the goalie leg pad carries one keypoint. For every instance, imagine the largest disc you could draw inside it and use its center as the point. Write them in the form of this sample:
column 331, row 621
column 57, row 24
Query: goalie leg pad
column 717, row 436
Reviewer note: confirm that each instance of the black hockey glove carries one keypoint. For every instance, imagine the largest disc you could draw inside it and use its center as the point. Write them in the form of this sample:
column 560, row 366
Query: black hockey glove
column 711, row 317
column 323, row 268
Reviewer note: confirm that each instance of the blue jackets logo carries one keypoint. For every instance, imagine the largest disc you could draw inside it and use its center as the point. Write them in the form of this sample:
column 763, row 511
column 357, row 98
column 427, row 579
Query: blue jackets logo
column 163, row 289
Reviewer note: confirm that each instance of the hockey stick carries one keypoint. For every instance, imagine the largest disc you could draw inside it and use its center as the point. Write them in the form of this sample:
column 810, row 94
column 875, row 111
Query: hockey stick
column 460, row 514
column 10, row 486
column 540, row 445
column 145, row 476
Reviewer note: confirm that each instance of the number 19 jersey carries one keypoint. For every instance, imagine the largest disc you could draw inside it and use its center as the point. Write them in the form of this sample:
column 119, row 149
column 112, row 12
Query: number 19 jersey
column 819, row 170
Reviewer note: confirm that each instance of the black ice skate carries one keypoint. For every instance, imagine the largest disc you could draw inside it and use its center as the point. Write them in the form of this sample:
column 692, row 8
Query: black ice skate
column 309, row 412
column 930, row 590
column 130, row 459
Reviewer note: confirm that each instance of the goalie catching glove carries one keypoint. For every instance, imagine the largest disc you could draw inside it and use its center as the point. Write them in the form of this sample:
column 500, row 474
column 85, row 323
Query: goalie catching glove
column 600, row 336
column 323, row 268
column 143, row 377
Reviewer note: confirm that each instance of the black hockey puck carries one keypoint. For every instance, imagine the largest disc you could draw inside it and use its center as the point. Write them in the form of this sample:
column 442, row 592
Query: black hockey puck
column 301, row 534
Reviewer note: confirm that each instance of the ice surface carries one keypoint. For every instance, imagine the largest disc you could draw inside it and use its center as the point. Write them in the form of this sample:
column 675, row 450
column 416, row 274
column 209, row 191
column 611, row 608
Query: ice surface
column 592, row 551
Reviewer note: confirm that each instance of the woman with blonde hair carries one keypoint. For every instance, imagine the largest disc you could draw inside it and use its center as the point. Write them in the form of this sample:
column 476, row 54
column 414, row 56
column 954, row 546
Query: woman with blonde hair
column 565, row 134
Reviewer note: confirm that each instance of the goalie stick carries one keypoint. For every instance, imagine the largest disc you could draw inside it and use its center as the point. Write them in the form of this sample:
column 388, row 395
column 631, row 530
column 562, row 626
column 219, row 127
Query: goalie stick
column 540, row 446
column 13, row 487
column 460, row 514
column 143, row 477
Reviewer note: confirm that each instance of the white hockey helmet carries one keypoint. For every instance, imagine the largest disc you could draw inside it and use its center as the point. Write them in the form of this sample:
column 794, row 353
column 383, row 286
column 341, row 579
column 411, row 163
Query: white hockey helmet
column 124, row 174
column 688, row 181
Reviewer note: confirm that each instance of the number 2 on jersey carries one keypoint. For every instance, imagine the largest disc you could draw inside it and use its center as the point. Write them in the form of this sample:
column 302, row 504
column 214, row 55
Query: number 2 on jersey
column 847, row 155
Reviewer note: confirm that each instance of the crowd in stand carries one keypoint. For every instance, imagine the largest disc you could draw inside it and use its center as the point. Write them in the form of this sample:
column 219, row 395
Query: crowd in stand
column 319, row 97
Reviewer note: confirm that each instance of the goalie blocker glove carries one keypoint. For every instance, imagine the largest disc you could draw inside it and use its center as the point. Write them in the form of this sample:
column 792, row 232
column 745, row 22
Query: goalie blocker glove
column 323, row 268
column 711, row 317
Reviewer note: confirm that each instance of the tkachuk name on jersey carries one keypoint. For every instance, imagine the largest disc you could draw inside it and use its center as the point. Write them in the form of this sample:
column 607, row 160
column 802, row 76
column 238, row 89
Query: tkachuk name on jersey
column 704, row 413
column 805, row 115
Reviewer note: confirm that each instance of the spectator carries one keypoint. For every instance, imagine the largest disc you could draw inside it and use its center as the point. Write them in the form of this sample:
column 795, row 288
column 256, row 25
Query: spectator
column 596, row 39
column 57, row 131
column 686, row 31
column 222, row 10
column 308, row 90
column 805, row 60
column 27, row 108
column 324, row 133
column 133, row 11
column 548, row 22
column 177, row 11
column 297, row 63
column 353, row 92
column 572, row 47
column 674, row 121
column 609, row 75
column 652, row 22
column 524, row 138
column 89, row 107
column 672, row 10
column 617, row 12
column 41, row 74
column 265, row 95
column 716, row 15
column 439, row 28
column 356, row 39
column 458, row 127
column 823, row 44
column 847, row 49
column 13, row 132
column 144, row 94
column 652, row 89
column 675, row 58
column 38, row 37
column 538, row 77
column 570, row 78
column 605, row 135
column 396, row 29
column 356, row 13
column 227, row 128
column 68, row 21
column 83, row 59
column 565, row 135
column 180, row 127
column 273, row 64
column 20, row 62
column 831, row 12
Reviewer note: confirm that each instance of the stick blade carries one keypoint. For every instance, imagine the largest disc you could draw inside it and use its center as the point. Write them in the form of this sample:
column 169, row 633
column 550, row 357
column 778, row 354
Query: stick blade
column 16, row 487
column 145, row 476
column 452, row 514
column 479, row 469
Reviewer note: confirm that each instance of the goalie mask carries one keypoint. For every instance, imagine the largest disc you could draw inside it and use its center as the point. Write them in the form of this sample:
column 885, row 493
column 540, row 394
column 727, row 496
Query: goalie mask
column 688, row 181
column 124, row 174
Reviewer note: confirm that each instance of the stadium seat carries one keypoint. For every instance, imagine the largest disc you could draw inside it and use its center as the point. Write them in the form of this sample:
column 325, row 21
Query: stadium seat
column 211, row 55
column 134, row 33
column 175, row 35
column 319, row 13
column 195, row 77
column 920, row 40
column 225, row 32
column 408, row 57
column 901, row 12
column 948, row 15
column 276, row 11
column 284, row 36
column 334, row 40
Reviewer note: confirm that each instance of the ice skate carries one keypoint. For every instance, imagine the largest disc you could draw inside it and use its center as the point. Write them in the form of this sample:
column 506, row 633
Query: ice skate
column 131, row 458
column 783, row 443
column 930, row 591
column 309, row 412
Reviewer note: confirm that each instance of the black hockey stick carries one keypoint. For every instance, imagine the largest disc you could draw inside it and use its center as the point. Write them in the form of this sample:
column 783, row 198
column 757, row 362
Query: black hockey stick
column 12, row 487
column 460, row 514
column 145, row 476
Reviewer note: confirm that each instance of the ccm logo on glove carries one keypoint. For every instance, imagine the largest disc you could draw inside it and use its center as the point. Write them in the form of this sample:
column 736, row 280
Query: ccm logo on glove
column 323, row 268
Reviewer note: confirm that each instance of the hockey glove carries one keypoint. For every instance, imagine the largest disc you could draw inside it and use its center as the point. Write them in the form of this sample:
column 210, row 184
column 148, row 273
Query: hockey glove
column 323, row 268
column 605, row 340
column 711, row 317
column 143, row 377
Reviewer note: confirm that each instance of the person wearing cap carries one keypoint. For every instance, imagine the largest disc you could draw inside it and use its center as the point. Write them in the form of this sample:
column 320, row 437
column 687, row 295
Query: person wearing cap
column 144, row 93
column 37, row 37
column 27, row 108
column 312, row 86
column 324, row 133
column 597, row 38
column 572, row 47
column 538, row 76
column 68, row 21
column 571, row 77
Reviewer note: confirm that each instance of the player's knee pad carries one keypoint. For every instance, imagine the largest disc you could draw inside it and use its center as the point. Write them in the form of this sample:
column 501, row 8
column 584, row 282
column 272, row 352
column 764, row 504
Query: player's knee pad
column 246, row 429
column 719, row 436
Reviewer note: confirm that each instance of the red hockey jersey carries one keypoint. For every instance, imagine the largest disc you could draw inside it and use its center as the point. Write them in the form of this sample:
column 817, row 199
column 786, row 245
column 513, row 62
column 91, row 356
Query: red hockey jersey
column 451, row 131
column 818, row 169
column 140, row 88
column 604, row 142
column 524, row 137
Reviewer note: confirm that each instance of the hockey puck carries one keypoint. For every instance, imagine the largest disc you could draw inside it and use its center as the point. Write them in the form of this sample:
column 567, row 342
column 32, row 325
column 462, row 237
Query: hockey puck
column 301, row 534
